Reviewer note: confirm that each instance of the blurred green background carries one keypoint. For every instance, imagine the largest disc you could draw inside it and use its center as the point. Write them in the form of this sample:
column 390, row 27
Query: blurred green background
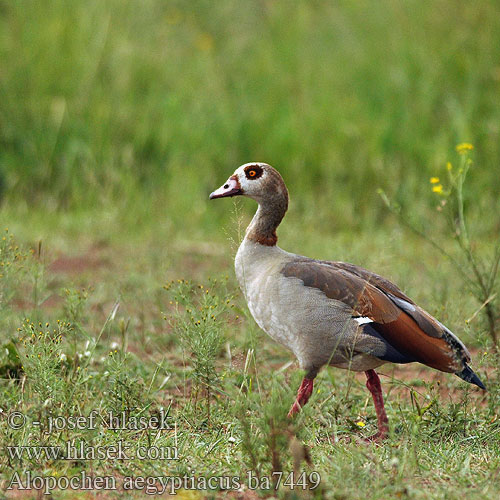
column 148, row 106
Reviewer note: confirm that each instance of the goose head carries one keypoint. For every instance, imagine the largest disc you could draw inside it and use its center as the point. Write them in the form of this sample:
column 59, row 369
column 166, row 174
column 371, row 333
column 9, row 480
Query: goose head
column 258, row 181
column 265, row 185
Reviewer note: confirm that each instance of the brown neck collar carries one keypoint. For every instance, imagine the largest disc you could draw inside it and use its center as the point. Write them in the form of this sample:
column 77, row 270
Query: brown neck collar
column 270, row 213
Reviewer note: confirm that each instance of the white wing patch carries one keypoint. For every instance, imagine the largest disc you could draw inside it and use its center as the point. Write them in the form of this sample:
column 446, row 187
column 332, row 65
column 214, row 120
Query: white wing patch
column 362, row 320
column 403, row 304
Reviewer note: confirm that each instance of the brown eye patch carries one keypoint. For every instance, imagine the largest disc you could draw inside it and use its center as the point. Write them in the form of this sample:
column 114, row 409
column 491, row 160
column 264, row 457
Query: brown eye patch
column 253, row 172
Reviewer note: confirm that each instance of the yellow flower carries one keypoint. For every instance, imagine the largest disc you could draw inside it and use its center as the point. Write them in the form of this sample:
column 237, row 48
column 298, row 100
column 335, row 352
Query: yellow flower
column 464, row 147
column 449, row 166
column 434, row 180
column 360, row 424
column 437, row 189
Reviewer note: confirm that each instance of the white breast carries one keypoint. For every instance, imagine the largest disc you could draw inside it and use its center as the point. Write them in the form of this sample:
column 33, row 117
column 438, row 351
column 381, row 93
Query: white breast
column 258, row 269
column 300, row 318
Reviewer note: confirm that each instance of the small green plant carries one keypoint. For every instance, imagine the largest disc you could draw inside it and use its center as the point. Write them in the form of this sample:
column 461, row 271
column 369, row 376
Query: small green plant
column 268, row 437
column 198, row 319
column 75, row 304
column 39, row 279
column 478, row 273
column 125, row 391
column 43, row 359
column 74, row 309
column 12, row 266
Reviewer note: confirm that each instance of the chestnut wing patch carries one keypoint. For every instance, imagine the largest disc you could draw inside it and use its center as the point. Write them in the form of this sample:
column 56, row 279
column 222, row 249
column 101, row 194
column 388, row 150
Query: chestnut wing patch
column 407, row 338
column 423, row 319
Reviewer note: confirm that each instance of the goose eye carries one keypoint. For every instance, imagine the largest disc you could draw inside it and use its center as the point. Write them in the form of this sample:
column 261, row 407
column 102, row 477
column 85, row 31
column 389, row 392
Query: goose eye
column 253, row 172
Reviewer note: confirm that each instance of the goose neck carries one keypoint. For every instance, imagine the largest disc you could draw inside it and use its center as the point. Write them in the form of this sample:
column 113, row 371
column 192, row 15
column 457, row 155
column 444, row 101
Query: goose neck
column 268, row 217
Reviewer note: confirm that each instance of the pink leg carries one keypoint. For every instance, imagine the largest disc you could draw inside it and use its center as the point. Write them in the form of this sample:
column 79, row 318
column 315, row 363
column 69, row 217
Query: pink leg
column 303, row 395
column 373, row 385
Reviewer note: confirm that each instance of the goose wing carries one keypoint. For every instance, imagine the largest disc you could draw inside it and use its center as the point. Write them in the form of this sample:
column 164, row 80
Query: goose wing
column 381, row 308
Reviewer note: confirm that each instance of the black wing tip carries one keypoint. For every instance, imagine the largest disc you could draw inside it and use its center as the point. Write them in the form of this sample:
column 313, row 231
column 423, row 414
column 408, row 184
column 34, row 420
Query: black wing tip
column 469, row 376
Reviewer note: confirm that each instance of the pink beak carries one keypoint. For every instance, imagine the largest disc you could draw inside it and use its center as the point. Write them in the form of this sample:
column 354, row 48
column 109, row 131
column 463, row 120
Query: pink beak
column 230, row 188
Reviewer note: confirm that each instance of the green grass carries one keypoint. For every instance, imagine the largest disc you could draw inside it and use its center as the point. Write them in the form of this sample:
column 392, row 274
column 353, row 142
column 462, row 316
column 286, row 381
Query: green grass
column 160, row 350
column 118, row 118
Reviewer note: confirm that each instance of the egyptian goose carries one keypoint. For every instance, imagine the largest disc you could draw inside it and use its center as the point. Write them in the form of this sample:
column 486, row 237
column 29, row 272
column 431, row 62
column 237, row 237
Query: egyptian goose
column 331, row 312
